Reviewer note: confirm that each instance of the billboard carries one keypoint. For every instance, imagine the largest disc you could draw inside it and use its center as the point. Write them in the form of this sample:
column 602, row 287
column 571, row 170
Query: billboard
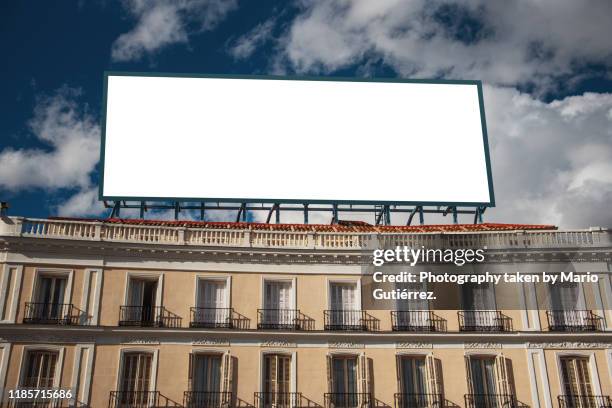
column 303, row 140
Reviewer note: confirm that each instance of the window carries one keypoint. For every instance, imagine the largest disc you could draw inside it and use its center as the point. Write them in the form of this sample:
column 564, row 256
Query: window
column 344, row 304
column 420, row 383
column 277, row 380
column 40, row 368
column 567, row 307
column 349, row 381
column 135, row 379
column 414, row 312
column 142, row 297
column 479, row 306
column 210, row 380
column 212, row 306
column 206, row 373
column 413, row 375
column 278, row 304
column 48, row 302
column 576, row 380
column 490, row 382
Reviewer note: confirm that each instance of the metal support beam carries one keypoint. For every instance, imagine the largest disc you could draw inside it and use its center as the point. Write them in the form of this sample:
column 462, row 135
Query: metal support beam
column 241, row 212
column 411, row 216
column 116, row 212
column 478, row 214
column 277, row 213
column 305, row 213
column 177, row 210
column 387, row 211
column 421, row 215
column 379, row 216
column 335, row 214
column 143, row 209
column 272, row 209
column 202, row 211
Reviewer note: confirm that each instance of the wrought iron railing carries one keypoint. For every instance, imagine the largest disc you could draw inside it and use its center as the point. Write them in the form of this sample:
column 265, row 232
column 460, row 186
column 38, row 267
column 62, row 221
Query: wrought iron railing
column 148, row 316
column 584, row 401
column 412, row 400
column 349, row 320
column 348, row 400
column 134, row 399
column 212, row 318
column 42, row 403
column 51, row 313
column 278, row 399
column 284, row 319
column 490, row 401
column 417, row 320
column 207, row 399
column 484, row 321
column 573, row 320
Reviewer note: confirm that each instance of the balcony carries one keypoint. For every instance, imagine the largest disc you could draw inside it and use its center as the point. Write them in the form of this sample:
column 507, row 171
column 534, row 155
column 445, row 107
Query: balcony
column 348, row 400
column 51, row 313
column 407, row 400
column 148, row 316
column 207, row 399
column 351, row 320
column 278, row 399
column 133, row 399
column 484, row 321
column 211, row 318
column 584, row 401
column 283, row 319
column 490, row 401
column 573, row 320
column 417, row 320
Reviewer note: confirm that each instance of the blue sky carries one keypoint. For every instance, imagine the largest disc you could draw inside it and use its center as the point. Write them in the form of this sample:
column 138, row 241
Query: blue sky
column 546, row 66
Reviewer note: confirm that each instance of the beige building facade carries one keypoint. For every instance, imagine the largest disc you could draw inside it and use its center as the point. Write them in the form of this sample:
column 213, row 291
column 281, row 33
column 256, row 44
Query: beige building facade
column 132, row 313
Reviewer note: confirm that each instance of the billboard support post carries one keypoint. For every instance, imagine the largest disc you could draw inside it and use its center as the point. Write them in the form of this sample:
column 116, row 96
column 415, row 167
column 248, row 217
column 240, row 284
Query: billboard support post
column 382, row 216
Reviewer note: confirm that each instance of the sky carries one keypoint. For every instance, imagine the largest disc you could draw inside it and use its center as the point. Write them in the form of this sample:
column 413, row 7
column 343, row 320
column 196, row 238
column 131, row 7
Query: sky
column 546, row 66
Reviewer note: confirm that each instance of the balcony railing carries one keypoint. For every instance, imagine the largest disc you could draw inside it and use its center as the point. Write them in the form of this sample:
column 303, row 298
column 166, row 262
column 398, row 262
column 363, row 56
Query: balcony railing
column 484, row 321
column 410, row 400
column 42, row 403
column 207, row 399
column 51, row 313
column 490, row 401
column 283, row 319
column 278, row 399
column 573, row 320
column 134, row 399
column 584, row 401
column 348, row 400
column 310, row 238
column 148, row 316
column 211, row 318
column 349, row 320
column 417, row 320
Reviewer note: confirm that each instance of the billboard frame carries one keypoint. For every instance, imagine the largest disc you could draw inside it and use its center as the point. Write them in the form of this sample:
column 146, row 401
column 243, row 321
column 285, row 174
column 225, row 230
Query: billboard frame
column 276, row 201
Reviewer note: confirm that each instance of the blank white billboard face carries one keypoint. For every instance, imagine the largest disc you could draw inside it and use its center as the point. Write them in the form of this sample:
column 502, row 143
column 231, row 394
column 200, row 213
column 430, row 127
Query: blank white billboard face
column 303, row 140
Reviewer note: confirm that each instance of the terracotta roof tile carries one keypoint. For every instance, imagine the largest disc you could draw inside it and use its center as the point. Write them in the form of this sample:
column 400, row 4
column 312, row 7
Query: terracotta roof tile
column 346, row 227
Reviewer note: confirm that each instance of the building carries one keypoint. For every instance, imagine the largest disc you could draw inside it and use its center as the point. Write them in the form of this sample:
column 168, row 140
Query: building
column 133, row 313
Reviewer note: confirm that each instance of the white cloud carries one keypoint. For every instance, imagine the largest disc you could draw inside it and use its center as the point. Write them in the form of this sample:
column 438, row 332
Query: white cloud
column 501, row 42
column 161, row 23
column 73, row 139
column 551, row 162
column 82, row 204
column 246, row 45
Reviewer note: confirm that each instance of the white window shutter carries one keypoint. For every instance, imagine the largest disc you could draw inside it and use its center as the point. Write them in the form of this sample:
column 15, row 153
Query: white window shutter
column 501, row 374
column 228, row 375
column 468, row 370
